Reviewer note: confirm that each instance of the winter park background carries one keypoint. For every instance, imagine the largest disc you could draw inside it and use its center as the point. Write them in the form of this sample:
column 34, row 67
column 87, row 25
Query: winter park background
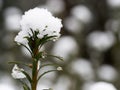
column 90, row 44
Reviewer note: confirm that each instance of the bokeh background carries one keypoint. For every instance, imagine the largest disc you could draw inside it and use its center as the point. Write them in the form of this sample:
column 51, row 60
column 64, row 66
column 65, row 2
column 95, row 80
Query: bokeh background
column 90, row 43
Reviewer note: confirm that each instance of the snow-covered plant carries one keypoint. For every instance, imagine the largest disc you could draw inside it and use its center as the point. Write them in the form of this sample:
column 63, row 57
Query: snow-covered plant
column 38, row 26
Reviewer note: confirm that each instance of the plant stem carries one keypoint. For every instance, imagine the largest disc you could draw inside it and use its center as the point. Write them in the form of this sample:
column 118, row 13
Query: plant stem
column 34, row 76
column 34, row 72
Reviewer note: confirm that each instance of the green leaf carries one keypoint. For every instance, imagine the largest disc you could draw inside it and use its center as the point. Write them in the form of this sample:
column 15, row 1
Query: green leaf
column 40, row 55
column 58, row 57
column 42, row 66
column 37, row 42
column 27, row 48
column 49, row 65
column 13, row 62
column 45, row 39
column 31, row 44
column 45, row 73
column 25, row 86
column 27, row 76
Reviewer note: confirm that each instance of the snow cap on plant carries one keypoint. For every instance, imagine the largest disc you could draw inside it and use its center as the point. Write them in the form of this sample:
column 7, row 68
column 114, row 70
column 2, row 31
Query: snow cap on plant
column 17, row 72
column 38, row 20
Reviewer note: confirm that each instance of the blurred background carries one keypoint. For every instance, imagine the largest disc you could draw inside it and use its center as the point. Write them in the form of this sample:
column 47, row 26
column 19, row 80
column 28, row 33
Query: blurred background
column 90, row 43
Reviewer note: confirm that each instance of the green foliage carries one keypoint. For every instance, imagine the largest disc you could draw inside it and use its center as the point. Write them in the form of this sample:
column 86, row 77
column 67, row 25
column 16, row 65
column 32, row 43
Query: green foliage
column 27, row 76
column 58, row 57
column 45, row 73
column 34, row 45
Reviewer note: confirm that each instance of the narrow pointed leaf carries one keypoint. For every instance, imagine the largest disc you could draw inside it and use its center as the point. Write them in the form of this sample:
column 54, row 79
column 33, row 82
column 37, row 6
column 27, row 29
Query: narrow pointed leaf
column 27, row 76
column 48, row 65
column 46, row 39
column 27, row 48
column 45, row 73
column 25, row 86
column 58, row 57
column 13, row 62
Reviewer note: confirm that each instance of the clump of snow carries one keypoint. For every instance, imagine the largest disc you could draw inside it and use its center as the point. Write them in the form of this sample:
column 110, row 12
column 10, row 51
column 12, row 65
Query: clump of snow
column 40, row 20
column 17, row 72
